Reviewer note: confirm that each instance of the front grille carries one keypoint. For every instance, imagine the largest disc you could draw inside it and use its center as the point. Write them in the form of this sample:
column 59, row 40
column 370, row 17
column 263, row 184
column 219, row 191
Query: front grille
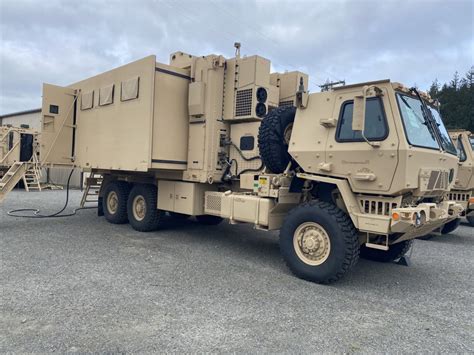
column 459, row 196
column 243, row 103
column 377, row 206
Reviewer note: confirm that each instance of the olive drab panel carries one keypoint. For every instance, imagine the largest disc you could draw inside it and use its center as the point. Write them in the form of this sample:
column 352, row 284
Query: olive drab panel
column 57, row 119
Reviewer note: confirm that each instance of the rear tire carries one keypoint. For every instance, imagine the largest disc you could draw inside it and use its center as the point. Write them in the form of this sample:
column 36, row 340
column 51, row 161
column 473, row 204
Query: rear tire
column 273, row 138
column 319, row 242
column 451, row 226
column 395, row 251
column 115, row 202
column 142, row 212
column 209, row 220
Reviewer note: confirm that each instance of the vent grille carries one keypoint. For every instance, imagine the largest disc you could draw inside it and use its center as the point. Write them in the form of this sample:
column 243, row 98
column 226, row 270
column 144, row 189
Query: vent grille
column 459, row 196
column 377, row 206
column 438, row 180
column 287, row 103
column 243, row 103
column 213, row 203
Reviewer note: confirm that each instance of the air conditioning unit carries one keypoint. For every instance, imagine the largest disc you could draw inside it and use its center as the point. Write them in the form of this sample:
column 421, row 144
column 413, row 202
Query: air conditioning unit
column 247, row 89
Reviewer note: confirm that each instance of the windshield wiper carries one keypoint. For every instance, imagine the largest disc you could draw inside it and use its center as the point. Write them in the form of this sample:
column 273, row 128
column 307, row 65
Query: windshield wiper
column 430, row 121
column 422, row 119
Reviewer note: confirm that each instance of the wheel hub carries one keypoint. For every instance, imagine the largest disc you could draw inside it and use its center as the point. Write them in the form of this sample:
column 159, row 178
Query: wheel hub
column 112, row 202
column 139, row 208
column 312, row 243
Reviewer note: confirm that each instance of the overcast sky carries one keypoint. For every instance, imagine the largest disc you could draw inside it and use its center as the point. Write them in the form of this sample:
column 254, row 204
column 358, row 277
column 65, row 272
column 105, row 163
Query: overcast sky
column 61, row 42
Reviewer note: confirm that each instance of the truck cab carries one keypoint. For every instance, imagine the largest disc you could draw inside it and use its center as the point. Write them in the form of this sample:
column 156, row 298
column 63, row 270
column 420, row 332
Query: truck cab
column 463, row 190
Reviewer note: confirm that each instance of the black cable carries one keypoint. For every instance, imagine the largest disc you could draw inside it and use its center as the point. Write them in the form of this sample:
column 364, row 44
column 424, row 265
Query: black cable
column 242, row 154
column 36, row 211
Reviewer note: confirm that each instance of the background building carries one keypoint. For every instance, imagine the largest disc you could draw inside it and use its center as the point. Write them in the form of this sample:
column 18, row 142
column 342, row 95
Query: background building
column 32, row 119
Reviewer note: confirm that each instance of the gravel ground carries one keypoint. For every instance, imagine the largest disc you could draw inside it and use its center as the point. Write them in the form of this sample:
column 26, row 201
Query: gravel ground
column 81, row 284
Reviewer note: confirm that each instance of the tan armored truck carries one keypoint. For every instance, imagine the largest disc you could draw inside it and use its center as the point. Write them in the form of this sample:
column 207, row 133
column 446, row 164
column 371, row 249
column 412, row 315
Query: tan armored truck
column 338, row 173
column 463, row 191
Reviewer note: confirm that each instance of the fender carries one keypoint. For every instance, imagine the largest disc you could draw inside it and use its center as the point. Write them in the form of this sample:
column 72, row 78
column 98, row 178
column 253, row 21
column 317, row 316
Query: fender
column 344, row 188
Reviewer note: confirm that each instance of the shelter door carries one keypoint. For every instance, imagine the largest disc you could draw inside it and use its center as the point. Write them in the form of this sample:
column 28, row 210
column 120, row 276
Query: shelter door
column 58, row 125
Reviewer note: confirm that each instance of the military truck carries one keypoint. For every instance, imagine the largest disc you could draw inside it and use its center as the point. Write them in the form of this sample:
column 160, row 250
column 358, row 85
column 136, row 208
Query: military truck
column 463, row 191
column 340, row 173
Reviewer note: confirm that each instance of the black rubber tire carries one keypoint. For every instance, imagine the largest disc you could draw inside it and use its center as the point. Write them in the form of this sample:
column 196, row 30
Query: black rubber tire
column 451, row 226
column 122, row 189
column 344, row 251
column 470, row 219
column 209, row 220
column 271, row 143
column 395, row 251
column 153, row 216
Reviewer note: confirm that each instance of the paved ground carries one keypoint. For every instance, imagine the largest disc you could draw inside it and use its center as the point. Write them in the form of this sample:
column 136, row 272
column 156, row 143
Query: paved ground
column 81, row 284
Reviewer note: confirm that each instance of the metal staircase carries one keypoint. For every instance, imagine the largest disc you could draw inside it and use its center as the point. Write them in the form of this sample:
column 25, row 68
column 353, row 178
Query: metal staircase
column 28, row 171
column 32, row 177
column 12, row 177
column 91, row 192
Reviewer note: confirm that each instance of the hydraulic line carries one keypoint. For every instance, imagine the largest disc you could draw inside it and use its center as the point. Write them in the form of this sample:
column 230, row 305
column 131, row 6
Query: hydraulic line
column 35, row 212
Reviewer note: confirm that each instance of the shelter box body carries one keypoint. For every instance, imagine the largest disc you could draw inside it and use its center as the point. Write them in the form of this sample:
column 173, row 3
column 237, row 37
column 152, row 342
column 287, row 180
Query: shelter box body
column 130, row 118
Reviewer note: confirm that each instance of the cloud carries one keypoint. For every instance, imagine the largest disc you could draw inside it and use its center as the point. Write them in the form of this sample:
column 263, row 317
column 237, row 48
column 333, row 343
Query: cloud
column 61, row 42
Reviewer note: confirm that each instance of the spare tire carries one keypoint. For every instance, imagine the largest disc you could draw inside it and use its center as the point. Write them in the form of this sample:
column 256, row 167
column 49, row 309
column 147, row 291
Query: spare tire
column 274, row 136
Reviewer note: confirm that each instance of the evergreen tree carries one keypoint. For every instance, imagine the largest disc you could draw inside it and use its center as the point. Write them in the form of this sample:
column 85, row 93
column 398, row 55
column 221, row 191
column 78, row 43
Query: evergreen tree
column 457, row 100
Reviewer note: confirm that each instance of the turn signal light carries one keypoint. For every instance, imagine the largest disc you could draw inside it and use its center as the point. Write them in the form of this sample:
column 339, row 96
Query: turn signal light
column 471, row 200
column 395, row 216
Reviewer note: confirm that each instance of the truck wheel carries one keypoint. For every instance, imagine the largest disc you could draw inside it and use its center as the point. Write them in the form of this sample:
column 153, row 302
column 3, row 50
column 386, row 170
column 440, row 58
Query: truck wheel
column 209, row 220
column 395, row 251
column 451, row 226
column 115, row 202
column 319, row 242
column 470, row 219
column 274, row 136
column 142, row 212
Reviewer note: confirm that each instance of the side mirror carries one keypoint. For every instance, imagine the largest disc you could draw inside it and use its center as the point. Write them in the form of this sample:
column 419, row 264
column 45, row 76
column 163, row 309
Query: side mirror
column 358, row 113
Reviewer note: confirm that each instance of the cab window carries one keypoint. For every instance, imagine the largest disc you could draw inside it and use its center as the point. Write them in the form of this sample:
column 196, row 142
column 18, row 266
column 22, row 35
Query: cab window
column 376, row 128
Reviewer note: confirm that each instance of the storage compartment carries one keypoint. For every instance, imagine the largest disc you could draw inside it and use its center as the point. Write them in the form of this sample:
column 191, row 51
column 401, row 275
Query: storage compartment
column 182, row 197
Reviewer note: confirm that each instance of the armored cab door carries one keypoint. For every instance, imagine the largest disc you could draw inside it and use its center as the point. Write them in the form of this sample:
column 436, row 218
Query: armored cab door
column 57, row 125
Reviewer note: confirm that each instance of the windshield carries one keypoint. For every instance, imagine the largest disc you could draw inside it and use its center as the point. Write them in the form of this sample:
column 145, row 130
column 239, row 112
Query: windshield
column 416, row 128
column 471, row 139
column 443, row 132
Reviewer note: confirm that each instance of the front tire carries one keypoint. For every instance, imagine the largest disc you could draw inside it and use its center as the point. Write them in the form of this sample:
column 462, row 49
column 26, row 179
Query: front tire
column 319, row 242
column 114, row 202
column 142, row 212
column 451, row 226
column 395, row 251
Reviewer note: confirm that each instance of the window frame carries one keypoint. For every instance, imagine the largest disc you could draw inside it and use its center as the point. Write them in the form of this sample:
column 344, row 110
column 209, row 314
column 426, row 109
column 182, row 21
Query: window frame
column 351, row 140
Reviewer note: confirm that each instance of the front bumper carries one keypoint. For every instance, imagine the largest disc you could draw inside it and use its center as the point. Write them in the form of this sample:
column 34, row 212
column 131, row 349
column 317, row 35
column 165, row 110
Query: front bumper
column 418, row 221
